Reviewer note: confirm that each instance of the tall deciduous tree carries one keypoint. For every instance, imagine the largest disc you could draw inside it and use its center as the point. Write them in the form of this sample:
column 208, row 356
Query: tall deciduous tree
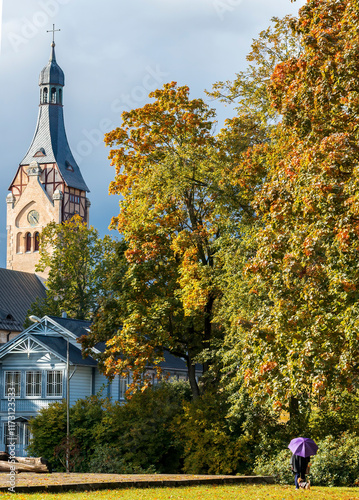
column 298, row 331
column 77, row 260
column 182, row 188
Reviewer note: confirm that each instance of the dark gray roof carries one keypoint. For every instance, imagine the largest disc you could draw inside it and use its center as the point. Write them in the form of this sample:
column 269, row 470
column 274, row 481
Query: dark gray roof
column 50, row 136
column 79, row 328
column 59, row 345
column 9, row 323
column 18, row 290
column 173, row 362
column 52, row 73
column 76, row 326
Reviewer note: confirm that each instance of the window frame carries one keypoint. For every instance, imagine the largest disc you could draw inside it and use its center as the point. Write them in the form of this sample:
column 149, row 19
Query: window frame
column 32, row 383
column 54, row 383
column 17, row 384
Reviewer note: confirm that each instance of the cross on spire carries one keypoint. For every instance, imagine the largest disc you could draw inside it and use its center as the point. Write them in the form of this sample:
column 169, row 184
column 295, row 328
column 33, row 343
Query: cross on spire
column 53, row 33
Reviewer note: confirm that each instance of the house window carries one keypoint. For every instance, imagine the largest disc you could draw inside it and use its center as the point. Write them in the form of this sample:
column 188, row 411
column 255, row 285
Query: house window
column 11, row 433
column 54, row 384
column 26, row 434
column 33, row 384
column 124, row 385
column 12, row 384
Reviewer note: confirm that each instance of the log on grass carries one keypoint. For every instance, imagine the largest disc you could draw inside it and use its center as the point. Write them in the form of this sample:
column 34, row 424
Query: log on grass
column 25, row 464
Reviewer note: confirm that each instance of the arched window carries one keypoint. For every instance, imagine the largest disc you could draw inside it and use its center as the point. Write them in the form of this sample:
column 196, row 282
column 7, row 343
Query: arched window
column 44, row 95
column 53, row 94
column 18, row 243
column 36, row 242
column 28, row 242
column 60, row 96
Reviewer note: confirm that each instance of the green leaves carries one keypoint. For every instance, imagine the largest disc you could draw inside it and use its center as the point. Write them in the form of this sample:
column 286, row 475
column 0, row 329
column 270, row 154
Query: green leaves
column 78, row 262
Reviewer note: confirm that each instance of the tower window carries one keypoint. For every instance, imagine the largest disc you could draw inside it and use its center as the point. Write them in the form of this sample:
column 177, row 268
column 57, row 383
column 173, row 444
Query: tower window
column 60, row 96
column 53, row 94
column 74, row 198
column 28, row 242
column 44, row 95
column 18, row 243
column 40, row 152
column 36, row 242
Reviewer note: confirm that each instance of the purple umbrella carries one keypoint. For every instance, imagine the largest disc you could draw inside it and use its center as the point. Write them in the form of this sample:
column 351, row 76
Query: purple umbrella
column 303, row 447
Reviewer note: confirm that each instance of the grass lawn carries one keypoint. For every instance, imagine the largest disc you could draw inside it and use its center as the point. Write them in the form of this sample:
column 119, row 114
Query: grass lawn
column 255, row 492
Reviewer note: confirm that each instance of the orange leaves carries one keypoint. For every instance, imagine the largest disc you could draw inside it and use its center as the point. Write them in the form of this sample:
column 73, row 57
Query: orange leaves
column 268, row 366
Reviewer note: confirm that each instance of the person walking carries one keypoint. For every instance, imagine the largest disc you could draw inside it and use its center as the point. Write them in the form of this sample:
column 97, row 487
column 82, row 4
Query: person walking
column 299, row 467
column 302, row 449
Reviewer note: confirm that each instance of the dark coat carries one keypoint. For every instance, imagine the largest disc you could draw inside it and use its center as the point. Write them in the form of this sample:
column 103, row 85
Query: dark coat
column 299, row 464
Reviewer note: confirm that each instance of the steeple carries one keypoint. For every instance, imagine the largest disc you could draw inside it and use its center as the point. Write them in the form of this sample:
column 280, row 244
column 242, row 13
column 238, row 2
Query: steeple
column 48, row 185
column 50, row 144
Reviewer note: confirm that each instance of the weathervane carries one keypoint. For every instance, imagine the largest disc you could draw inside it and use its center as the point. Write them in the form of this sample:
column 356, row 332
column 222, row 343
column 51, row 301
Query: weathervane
column 53, row 33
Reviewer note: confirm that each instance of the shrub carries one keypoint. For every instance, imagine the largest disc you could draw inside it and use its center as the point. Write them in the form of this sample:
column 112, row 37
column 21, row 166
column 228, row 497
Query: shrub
column 337, row 461
column 48, row 431
column 105, row 460
column 213, row 444
column 142, row 431
column 277, row 465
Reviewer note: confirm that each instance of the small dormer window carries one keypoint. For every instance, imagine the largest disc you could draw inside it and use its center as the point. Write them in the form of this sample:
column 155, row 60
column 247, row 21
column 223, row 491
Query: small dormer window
column 40, row 152
column 69, row 166
column 53, row 95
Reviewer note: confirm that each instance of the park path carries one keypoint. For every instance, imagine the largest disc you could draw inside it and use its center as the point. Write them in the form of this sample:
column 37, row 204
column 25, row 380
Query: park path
column 30, row 482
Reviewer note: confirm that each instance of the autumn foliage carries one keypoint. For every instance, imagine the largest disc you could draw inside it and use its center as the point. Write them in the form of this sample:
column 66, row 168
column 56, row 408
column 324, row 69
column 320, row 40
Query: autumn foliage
column 242, row 246
column 301, row 332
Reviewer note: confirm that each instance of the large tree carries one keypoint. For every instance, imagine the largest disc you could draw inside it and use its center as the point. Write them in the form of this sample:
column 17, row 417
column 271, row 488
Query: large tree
column 77, row 261
column 296, row 328
column 182, row 188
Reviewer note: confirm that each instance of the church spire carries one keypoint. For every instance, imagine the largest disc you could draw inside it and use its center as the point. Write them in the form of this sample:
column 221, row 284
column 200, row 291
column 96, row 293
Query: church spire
column 48, row 185
column 50, row 144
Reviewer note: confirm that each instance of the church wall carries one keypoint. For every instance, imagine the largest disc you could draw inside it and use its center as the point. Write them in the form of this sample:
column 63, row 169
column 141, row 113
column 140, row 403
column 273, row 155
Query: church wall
column 22, row 250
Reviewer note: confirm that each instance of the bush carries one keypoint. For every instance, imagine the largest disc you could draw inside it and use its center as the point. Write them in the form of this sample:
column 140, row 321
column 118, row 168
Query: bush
column 337, row 461
column 105, row 460
column 137, row 436
column 213, row 444
column 335, row 464
column 277, row 465
column 141, row 430
column 48, row 430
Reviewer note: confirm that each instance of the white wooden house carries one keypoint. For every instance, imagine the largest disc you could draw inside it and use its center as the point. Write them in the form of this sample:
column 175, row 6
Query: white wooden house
column 34, row 367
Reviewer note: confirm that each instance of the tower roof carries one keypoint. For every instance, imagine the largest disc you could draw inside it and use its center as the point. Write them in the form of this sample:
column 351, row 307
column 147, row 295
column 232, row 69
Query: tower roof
column 49, row 144
column 52, row 73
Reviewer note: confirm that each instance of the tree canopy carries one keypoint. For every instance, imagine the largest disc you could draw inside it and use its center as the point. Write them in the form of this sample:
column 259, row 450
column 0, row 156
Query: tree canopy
column 183, row 188
column 77, row 260
column 296, row 328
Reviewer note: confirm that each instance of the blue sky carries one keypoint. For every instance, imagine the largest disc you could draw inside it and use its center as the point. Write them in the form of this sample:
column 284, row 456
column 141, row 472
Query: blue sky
column 113, row 54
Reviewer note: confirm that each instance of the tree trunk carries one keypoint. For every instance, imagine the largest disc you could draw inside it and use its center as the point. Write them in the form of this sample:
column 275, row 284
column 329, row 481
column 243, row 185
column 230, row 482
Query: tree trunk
column 192, row 378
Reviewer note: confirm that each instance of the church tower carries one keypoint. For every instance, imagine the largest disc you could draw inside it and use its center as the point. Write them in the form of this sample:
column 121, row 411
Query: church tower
column 48, row 185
